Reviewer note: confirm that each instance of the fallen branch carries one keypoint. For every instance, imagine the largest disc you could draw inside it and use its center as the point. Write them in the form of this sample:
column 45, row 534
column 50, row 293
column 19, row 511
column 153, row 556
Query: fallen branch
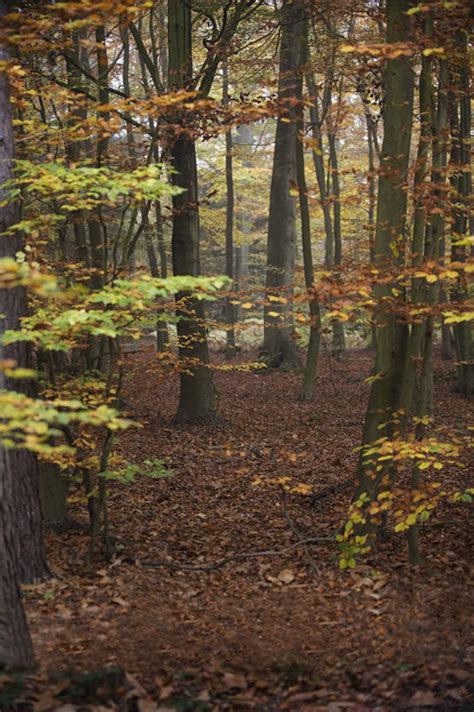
column 235, row 557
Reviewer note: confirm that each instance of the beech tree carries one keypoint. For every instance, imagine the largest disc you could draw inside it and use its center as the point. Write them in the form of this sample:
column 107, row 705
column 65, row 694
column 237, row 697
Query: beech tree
column 22, row 555
column 390, row 233
column 279, row 345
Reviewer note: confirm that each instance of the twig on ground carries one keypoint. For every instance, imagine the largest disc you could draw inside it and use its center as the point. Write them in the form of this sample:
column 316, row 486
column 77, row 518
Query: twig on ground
column 235, row 557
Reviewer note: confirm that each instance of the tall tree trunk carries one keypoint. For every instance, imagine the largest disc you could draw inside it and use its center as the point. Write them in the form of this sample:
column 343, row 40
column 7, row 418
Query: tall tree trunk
column 162, row 336
column 420, row 289
column 318, row 158
column 311, row 365
column 243, row 137
column 197, row 400
column 22, row 554
column 390, row 239
column 461, row 182
column 372, row 200
column 95, row 225
column 229, row 219
column 310, row 370
column 439, row 178
column 73, row 148
column 279, row 345
column 371, row 209
column 338, row 336
column 21, row 465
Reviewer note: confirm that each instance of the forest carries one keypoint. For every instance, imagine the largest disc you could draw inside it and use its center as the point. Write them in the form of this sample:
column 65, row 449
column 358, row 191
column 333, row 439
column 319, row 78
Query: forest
column 236, row 356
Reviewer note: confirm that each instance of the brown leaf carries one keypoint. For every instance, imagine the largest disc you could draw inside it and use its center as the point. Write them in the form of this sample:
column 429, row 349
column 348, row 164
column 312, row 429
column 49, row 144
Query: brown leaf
column 232, row 681
column 147, row 705
column 286, row 576
column 120, row 601
column 424, row 698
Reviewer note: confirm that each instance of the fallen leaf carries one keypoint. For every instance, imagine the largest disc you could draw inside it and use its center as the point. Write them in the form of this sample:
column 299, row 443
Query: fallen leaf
column 232, row 681
column 424, row 698
column 120, row 601
column 286, row 576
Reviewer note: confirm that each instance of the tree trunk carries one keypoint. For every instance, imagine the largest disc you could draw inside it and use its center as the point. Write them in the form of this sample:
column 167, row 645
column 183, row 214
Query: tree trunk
column 162, row 336
column 390, row 239
column 16, row 651
column 461, row 181
column 338, row 336
column 318, row 158
column 22, row 556
column 420, row 289
column 310, row 370
column 73, row 148
column 19, row 464
column 279, row 346
column 372, row 200
column 229, row 221
column 197, row 401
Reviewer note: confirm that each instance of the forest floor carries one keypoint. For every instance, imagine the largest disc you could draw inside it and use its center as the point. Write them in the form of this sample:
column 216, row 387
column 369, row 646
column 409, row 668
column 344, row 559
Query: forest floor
column 274, row 632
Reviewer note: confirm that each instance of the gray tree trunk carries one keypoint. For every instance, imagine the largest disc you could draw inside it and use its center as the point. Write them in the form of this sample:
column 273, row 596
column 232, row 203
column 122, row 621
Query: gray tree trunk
column 197, row 401
column 229, row 221
column 22, row 554
column 279, row 347
column 461, row 181
column 390, row 232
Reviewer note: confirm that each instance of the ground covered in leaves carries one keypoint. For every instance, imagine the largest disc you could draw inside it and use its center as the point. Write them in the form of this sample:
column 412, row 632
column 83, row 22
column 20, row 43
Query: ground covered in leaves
column 285, row 630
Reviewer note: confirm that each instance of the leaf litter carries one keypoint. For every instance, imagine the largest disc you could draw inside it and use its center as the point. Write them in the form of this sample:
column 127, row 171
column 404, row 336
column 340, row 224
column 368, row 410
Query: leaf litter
column 257, row 633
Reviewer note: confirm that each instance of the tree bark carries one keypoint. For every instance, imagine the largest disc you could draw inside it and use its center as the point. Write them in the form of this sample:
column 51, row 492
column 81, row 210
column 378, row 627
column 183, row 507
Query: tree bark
column 229, row 220
column 197, row 402
column 310, row 370
column 338, row 335
column 22, row 554
column 312, row 354
column 461, row 182
column 390, row 239
column 279, row 347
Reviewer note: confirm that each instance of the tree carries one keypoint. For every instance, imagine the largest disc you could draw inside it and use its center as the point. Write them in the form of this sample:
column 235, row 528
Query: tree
column 309, row 377
column 21, row 547
column 390, row 238
column 230, row 210
column 279, row 346
column 459, row 109
column 197, row 394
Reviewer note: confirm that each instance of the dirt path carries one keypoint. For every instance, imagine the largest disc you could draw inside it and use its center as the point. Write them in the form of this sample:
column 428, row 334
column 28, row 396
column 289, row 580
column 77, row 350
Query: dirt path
column 288, row 632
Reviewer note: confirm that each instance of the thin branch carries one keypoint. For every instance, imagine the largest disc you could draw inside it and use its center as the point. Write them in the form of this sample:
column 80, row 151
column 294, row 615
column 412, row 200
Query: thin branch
column 236, row 557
